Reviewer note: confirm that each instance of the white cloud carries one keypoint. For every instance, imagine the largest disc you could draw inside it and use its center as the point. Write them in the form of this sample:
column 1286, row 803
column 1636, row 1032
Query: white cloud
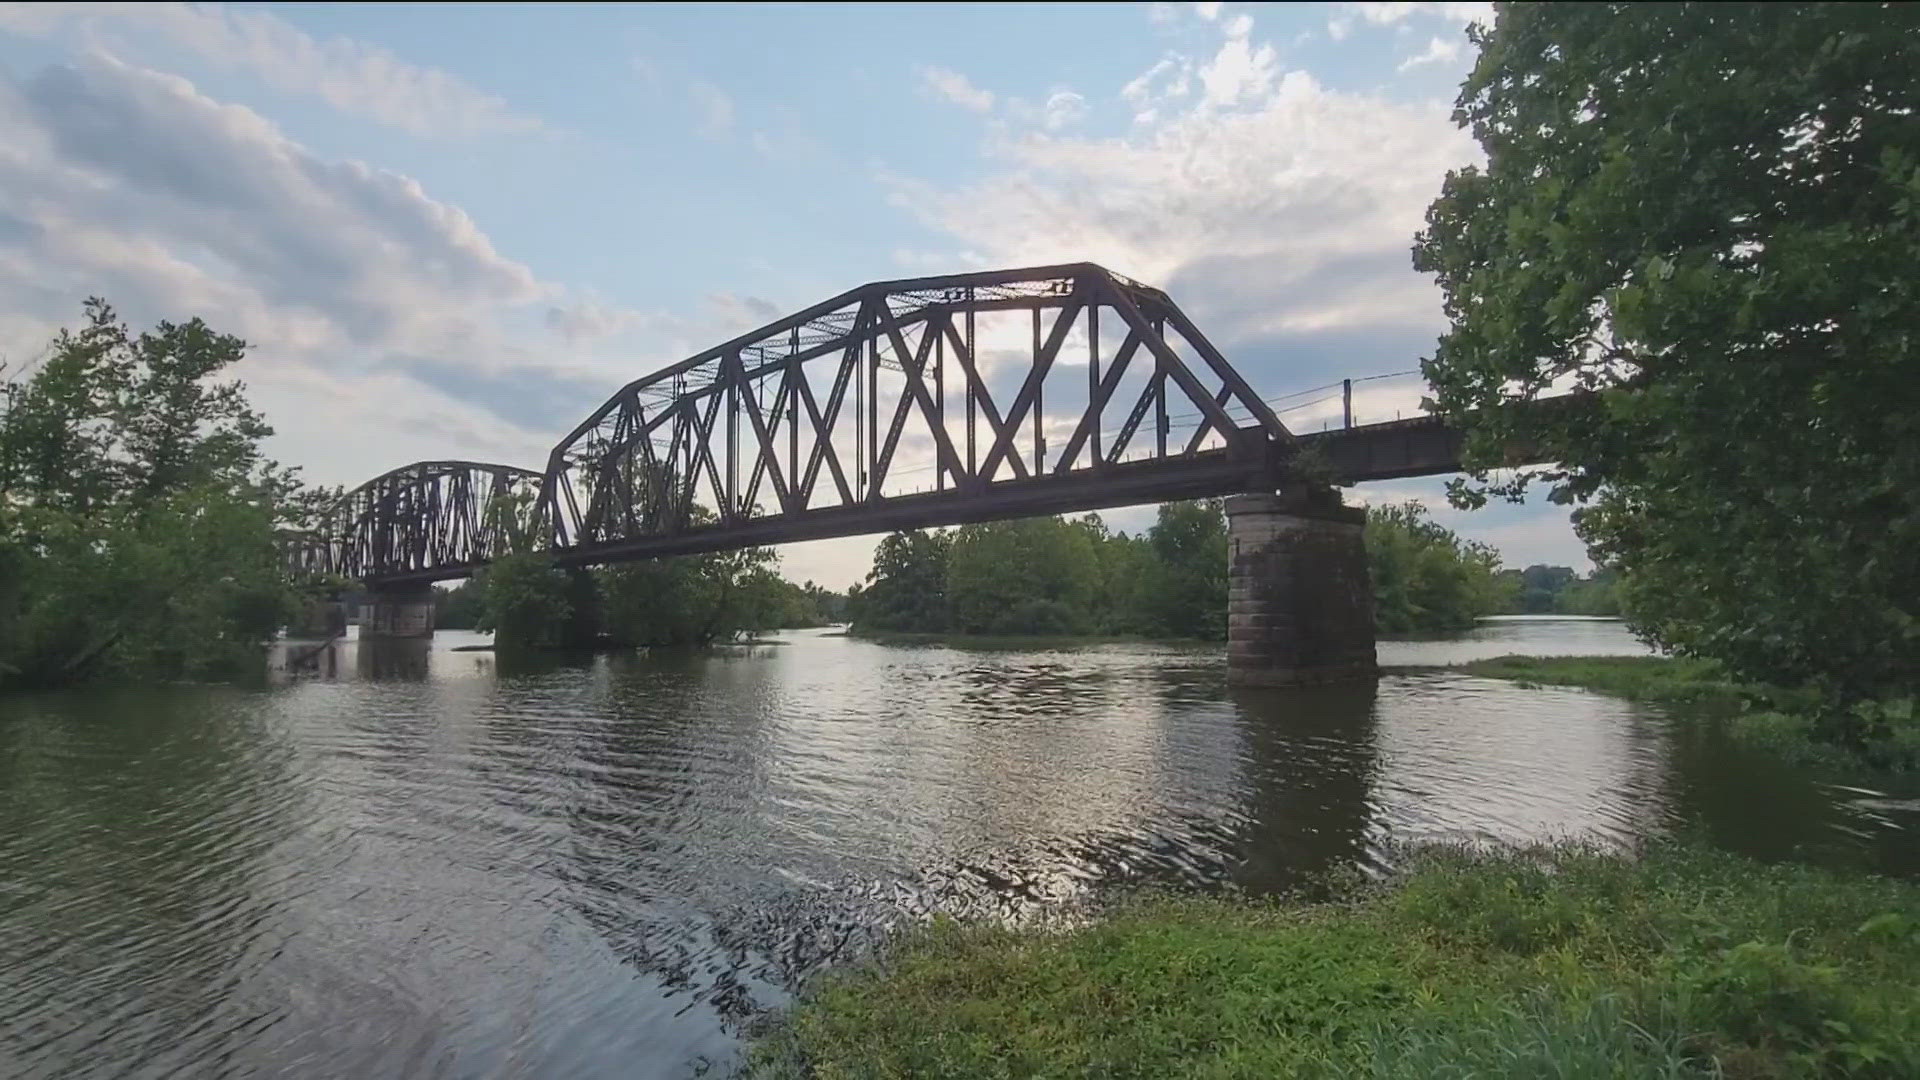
column 1063, row 108
column 384, row 322
column 1397, row 13
column 713, row 109
column 954, row 87
column 1207, row 11
column 1287, row 204
column 354, row 77
column 1438, row 51
column 1240, row 71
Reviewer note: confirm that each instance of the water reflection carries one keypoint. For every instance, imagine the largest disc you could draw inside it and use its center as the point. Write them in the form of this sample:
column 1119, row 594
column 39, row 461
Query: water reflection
column 414, row 861
column 1312, row 765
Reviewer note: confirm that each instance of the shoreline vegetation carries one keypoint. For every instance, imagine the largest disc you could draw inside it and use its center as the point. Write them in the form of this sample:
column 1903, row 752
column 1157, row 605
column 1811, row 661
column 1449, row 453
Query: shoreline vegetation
column 1784, row 722
column 1678, row 960
column 1681, row 961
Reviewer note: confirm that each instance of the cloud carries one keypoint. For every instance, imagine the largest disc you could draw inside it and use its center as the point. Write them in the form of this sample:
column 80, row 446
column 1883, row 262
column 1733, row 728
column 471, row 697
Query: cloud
column 1240, row 71
column 1279, row 212
column 1063, row 108
column 954, row 87
column 591, row 320
column 1438, row 51
column 713, row 109
column 1347, row 15
column 351, row 282
column 353, row 77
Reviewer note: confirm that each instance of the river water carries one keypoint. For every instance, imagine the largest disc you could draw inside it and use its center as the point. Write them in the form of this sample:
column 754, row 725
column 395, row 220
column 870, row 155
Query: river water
column 423, row 862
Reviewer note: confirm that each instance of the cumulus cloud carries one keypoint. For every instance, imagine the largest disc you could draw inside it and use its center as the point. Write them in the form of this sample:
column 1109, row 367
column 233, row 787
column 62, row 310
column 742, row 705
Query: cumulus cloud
column 1063, row 108
column 122, row 170
column 1279, row 213
column 1438, row 51
column 354, row 77
column 954, row 87
column 1347, row 16
column 131, row 184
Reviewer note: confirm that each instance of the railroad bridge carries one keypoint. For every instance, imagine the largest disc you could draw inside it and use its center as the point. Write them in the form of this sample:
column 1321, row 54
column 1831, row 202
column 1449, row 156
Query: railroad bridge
column 912, row 404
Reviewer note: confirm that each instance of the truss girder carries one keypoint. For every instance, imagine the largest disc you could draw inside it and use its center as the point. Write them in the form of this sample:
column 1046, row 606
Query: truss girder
column 429, row 518
column 814, row 413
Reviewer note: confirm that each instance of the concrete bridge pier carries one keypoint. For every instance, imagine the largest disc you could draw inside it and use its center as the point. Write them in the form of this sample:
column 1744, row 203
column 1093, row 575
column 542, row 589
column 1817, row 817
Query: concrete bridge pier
column 398, row 614
column 1299, row 598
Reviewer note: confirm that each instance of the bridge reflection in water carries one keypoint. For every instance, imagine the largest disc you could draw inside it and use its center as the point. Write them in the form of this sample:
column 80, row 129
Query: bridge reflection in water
column 606, row 867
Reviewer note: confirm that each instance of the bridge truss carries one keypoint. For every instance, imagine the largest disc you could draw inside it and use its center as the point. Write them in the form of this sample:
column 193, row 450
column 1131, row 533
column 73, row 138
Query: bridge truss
column 912, row 403
column 422, row 522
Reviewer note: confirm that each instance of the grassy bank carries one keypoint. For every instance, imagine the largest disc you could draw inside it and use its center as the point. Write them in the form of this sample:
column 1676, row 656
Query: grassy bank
column 1784, row 722
column 1565, row 963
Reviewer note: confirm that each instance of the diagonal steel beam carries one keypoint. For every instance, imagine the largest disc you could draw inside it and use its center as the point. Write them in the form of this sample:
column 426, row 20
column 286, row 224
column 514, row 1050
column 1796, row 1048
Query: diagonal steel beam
column 1030, row 388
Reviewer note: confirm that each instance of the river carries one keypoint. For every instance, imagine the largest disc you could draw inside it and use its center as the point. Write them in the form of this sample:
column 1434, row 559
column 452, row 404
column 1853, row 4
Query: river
column 422, row 862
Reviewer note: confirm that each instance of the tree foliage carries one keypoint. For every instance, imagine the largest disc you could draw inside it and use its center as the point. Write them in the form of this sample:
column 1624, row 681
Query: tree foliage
column 692, row 599
column 525, row 602
column 907, row 587
column 1054, row 575
column 1185, row 592
column 1707, row 215
column 1426, row 579
column 137, row 510
column 1033, row 576
column 1557, row 590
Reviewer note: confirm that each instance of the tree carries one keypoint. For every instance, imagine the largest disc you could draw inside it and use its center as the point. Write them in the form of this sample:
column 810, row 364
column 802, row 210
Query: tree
column 526, row 602
column 692, row 599
column 1185, row 594
column 137, row 510
column 1426, row 579
column 1707, row 216
column 907, row 587
column 460, row 607
column 1030, row 576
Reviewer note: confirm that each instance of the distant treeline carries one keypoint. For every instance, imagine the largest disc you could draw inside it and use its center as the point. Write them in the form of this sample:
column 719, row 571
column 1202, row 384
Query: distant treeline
column 1035, row 576
column 1076, row 576
column 1557, row 590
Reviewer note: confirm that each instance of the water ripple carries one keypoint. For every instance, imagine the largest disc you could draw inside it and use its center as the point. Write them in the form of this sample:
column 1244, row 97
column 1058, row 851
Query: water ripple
column 433, row 865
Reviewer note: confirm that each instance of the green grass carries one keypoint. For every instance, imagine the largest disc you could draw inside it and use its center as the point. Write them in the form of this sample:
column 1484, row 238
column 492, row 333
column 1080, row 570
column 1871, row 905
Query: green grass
column 1533, row 964
column 1781, row 721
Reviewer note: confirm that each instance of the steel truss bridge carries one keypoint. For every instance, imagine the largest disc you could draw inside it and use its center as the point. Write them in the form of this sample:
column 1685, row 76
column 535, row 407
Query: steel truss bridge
column 901, row 404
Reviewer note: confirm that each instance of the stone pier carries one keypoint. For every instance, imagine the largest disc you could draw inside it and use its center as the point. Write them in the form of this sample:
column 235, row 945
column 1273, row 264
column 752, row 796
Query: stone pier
column 1299, row 599
column 398, row 615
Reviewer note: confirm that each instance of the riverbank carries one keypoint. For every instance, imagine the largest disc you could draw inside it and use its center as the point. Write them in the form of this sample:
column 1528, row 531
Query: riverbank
column 1681, row 962
column 1780, row 721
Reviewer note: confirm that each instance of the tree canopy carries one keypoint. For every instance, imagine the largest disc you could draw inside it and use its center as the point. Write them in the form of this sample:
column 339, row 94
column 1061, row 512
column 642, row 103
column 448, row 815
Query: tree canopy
column 1053, row 575
column 137, row 509
column 1708, row 217
column 1426, row 579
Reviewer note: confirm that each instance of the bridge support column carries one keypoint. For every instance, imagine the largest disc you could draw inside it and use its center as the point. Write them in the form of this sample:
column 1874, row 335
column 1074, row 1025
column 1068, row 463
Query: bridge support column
column 399, row 614
column 322, row 618
column 1299, row 599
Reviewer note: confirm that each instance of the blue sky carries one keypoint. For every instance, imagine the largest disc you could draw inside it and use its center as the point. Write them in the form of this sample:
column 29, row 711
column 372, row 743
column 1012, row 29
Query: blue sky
column 452, row 232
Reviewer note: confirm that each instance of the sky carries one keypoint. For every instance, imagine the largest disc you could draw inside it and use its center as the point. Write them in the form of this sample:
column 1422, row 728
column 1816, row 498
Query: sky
column 452, row 232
